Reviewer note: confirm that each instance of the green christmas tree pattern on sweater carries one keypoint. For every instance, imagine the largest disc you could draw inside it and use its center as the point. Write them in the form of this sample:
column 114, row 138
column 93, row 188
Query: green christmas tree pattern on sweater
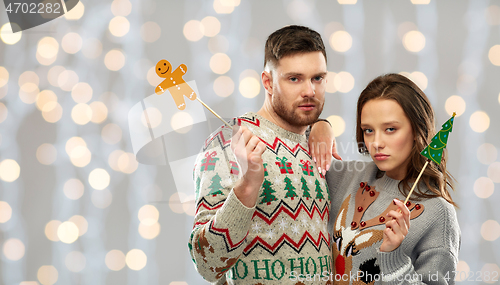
column 305, row 189
column 267, row 196
column 319, row 192
column 434, row 151
column 215, row 187
column 289, row 187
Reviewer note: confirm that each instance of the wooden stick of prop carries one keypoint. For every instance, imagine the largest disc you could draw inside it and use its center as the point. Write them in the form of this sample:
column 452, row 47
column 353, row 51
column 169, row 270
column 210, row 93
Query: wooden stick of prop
column 416, row 182
column 213, row 112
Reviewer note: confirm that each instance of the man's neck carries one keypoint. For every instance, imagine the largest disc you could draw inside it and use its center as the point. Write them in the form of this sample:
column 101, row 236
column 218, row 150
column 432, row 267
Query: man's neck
column 268, row 113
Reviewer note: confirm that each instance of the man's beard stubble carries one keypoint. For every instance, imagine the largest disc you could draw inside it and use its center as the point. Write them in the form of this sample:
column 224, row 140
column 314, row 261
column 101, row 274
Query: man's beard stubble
column 290, row 115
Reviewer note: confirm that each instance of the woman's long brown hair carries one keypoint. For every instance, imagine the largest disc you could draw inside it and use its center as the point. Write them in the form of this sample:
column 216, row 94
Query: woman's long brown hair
column 418, row 109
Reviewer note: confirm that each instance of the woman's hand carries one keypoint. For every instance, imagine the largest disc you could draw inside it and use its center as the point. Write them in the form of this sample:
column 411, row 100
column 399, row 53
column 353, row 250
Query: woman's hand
column 322, row 145
column 397, row 228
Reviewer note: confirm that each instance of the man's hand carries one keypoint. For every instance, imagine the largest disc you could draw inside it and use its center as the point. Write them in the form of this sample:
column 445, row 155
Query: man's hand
column 248, row 150
column 322, row 145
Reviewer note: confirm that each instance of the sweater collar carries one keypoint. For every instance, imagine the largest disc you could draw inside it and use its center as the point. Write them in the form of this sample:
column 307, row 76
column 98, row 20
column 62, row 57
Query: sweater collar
column 278, row 131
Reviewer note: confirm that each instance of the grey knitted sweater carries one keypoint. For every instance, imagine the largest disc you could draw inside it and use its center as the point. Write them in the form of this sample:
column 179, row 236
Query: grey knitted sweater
column 428, row 254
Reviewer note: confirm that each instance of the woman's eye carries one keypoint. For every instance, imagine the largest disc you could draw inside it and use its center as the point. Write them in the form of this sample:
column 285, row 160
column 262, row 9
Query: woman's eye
column 367, row 131
column 391, row 129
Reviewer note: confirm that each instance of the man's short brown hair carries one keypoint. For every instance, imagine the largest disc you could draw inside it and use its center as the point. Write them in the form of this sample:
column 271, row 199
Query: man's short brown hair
column 291, row 40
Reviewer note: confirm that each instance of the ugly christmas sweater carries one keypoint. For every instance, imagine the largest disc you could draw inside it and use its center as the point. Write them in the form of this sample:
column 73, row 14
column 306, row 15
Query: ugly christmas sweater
column 360, row 202
column 284, row 238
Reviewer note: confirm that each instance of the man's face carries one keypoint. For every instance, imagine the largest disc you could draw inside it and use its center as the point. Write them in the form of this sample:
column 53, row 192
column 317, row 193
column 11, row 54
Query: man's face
column 299, row 88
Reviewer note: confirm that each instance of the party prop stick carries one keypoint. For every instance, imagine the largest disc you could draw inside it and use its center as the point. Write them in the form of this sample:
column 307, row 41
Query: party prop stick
column 434, row 151
column 173, row 78
column 213, row 112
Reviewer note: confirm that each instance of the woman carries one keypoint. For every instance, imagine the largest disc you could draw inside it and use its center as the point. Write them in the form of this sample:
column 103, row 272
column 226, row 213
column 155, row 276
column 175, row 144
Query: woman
column 370, row 226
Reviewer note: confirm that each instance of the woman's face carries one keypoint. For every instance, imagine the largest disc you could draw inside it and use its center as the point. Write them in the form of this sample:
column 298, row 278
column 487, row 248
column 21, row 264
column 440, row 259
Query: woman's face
column 388, row 136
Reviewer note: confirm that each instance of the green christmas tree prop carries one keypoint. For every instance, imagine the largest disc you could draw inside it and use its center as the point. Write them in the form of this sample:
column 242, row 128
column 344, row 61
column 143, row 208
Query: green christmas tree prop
column 289, row 187
column 305, row 189
column 434, row 151
column 319, row 192
column 267, row 196
column 215, row 186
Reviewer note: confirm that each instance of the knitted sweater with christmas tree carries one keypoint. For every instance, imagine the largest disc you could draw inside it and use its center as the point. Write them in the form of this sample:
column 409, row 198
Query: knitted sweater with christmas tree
column 360, row 202
column 284, row 238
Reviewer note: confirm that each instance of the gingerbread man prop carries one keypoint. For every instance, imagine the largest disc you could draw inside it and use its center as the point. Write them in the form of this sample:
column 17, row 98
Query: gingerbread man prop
column 177, row 87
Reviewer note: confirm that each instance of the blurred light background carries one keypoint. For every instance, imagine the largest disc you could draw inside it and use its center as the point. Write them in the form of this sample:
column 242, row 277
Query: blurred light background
column 77, row 208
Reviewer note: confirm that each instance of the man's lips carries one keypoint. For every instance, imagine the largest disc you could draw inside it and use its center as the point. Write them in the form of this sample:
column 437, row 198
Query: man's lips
column 307, row 107
column 381, row 156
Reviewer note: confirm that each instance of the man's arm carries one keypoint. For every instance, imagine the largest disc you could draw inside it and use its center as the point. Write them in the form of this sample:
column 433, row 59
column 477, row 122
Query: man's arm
column 224, row 213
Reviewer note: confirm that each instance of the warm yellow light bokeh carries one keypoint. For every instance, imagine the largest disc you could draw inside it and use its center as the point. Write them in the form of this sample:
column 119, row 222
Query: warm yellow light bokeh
column 341, row 41
column 224, row 6
column 111, row 133
column 51, row 230
column 181, row 122
column 338, row 125
column 150, row 32
column 46, row 154
column 220, row 63
column 223, row 86
column 5, row 212
column 113, row 159
column 76, row 13
column 81, row 92
column 4, row 76
column 330, row 82
column 9, row 170
column 119, row 26
column 484, row 187
column 121, row 7
column 114, row 60
column 99, row 179
column 148, row 215
column 136, row 259
column 48, row 47
column 75, row 261
column 7, row 36
column 193, row 30
column 490, row 230
column 149, row 231
column 479, row 121
column 3, row 112
column 81, row 114
column 47, row 274
column 211, row 26
column 81, row 223
column 420, row 2
column 249, row 87
column 73, row 189
column 67, row 232
column 44, row 97
column 494, row 55
column 455, row 104
column 463, row 271
column 13, row 249
column 347, row 2
column 52, row 112
column 487, row 153
column 28, row 92
column 343, row 82
column 115, row 260
column 67, row 79
column 72, row 43
column 99, row 112
column 127, row 163
column 414, row 41
column 53, row 75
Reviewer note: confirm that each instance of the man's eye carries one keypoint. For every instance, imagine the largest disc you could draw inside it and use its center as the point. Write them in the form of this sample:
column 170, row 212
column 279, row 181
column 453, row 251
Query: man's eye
column 318, row 78
column 294, row 79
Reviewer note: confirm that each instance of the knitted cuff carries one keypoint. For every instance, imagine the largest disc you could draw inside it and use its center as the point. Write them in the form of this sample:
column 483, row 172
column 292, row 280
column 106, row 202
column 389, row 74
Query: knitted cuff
column 235, row 216
column 394, row 264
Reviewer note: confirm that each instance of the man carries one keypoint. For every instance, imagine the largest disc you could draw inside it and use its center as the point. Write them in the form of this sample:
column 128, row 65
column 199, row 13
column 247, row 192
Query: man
column 262, row 206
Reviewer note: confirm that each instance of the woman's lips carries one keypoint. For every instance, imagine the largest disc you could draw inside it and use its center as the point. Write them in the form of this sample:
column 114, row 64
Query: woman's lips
column 381, row 157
